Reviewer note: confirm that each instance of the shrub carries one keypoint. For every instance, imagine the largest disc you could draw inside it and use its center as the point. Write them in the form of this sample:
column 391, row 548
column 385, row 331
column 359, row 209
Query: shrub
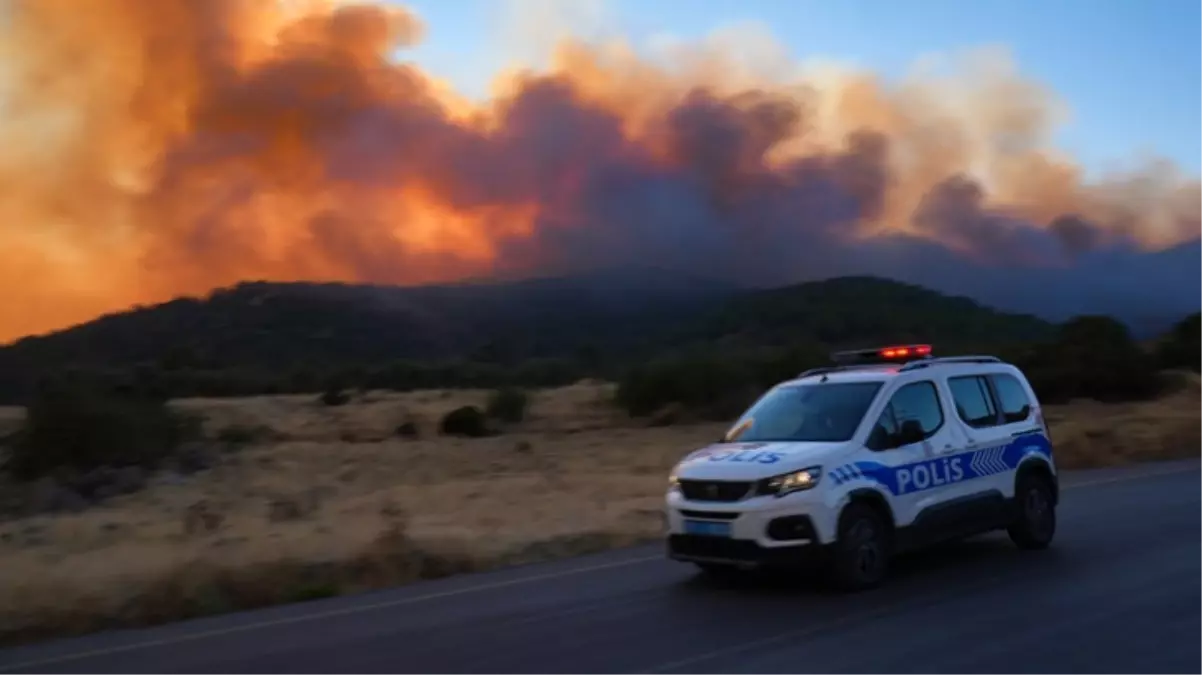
column 771, row 366
column 467, row 421
column 1092, row 357
column 335, row 397
column 508, row 404
column 715, row 382
column 707, row 384
column 245, row 434
column 80, row 429
column 1182, row 346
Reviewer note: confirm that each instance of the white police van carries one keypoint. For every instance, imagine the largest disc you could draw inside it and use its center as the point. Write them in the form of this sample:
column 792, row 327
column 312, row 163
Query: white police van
column 889, row 450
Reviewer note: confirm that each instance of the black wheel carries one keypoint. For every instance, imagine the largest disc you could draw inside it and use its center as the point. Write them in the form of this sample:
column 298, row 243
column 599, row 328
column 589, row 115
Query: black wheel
column 1034, row 523
column 860, row 555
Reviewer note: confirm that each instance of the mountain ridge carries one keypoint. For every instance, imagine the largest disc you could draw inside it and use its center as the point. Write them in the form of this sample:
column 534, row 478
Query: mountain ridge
column 597, row 320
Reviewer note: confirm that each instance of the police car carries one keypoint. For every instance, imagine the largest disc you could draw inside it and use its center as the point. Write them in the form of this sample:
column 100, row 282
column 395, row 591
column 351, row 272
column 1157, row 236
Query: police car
column 887, row 450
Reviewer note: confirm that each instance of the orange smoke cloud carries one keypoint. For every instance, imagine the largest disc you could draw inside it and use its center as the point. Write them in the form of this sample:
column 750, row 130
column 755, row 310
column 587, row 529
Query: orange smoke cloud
column 153, row 149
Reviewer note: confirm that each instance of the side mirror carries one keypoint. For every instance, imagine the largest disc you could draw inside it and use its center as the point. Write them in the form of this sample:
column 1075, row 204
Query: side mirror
column 879, row 439
column 910, row 432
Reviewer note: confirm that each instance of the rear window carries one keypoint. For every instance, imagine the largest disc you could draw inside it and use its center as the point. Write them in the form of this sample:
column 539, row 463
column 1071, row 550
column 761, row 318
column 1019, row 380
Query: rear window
column 974, row 402
column 820, row 412
column 1012, row 398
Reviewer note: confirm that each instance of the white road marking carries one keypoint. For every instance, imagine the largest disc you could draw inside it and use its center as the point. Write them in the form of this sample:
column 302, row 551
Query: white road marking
column 1124, row 479
column 399, row 602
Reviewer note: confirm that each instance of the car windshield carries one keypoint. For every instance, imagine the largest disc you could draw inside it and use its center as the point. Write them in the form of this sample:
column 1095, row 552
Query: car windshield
column 828, row 412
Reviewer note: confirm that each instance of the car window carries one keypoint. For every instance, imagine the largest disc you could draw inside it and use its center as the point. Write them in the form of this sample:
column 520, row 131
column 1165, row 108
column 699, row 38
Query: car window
column 820, row 412
column 1012, row 398
column 917, row 402
column 974, row 402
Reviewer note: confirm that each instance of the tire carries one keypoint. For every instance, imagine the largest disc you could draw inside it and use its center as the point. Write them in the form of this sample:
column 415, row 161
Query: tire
column 1034, row 523
column 861, row 552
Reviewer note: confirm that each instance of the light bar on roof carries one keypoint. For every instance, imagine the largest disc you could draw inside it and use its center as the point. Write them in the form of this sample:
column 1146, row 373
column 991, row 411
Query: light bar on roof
column 883, row 354
column 904, row 351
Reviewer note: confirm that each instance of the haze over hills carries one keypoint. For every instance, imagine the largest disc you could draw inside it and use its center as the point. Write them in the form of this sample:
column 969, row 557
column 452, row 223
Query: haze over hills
column 1146, row 290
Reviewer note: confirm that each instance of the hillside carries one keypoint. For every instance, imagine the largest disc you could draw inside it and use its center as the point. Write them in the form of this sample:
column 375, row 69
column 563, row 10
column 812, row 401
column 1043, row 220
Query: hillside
column 273, row 324
column 267, row 332
column 863, row 311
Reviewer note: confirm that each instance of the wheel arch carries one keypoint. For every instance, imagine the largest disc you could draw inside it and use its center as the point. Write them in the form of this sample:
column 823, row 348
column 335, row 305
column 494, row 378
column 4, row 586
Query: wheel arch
column 1038, row 466
column 873, row 499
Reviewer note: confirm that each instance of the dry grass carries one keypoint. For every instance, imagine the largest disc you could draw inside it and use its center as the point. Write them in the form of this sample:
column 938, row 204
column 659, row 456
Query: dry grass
column 329, row 499
column 1090, row 434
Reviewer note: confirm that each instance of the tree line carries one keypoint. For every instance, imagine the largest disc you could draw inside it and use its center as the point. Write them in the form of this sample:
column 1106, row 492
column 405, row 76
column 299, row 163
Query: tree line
column 76, row 423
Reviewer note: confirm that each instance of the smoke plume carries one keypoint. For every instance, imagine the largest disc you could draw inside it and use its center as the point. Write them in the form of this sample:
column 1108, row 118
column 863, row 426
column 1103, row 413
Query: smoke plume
column 152, row 149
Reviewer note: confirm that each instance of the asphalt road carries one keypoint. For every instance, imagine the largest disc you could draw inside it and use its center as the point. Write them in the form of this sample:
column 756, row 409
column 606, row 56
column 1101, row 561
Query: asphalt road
column 1119, row 591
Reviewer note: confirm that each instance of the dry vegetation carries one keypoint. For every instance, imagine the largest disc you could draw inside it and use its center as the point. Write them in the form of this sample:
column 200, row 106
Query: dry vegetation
column 322, row 500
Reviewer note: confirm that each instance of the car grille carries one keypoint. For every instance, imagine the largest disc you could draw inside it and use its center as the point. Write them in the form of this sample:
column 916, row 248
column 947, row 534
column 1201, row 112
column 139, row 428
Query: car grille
column 714, row 490
column 710, row 515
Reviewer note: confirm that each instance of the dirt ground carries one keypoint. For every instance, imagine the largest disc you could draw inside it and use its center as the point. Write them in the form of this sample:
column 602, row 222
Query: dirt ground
column 322, row 500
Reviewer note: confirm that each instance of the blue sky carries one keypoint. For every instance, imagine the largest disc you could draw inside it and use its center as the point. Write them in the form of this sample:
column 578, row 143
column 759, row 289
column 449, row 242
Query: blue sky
column 1129, row 70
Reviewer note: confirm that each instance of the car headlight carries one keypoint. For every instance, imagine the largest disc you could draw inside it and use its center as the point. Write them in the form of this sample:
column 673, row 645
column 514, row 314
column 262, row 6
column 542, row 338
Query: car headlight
column 673, row 482
column 794, row 481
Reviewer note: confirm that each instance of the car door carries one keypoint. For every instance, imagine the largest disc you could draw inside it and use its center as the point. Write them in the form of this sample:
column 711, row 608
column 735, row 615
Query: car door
column 985, row 437
column 1017, row 419
column 913, row 469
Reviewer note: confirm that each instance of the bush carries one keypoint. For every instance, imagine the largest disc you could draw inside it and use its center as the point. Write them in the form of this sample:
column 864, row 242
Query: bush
column 715, row 383
column 1182, row 346
column 508, row 405
column 408, row 429
column 245, row 434
column 709, row 385
column 467, row 421
column 776, row 366
column 335, row 397
column 79, row 429
column 1092, row 357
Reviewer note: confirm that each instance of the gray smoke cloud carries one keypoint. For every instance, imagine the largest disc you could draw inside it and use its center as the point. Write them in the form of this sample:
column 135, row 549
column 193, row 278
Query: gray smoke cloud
column 225, row 141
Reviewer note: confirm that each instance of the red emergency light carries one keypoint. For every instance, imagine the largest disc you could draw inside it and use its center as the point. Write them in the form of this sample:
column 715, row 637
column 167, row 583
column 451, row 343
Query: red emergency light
column 904, row 351
column 882, row 354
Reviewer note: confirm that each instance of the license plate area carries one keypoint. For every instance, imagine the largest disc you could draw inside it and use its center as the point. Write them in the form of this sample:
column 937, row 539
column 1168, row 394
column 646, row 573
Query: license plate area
column 707, row 528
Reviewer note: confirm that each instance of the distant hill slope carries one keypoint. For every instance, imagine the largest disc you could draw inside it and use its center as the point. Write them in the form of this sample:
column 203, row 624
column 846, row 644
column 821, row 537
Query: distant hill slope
column 866, row 311
column 612, row 317
column 272, row 324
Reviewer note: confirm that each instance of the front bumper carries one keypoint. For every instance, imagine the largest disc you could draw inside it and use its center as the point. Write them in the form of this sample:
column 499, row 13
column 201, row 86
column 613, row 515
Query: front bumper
column 739, row 552
column 763, row 531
